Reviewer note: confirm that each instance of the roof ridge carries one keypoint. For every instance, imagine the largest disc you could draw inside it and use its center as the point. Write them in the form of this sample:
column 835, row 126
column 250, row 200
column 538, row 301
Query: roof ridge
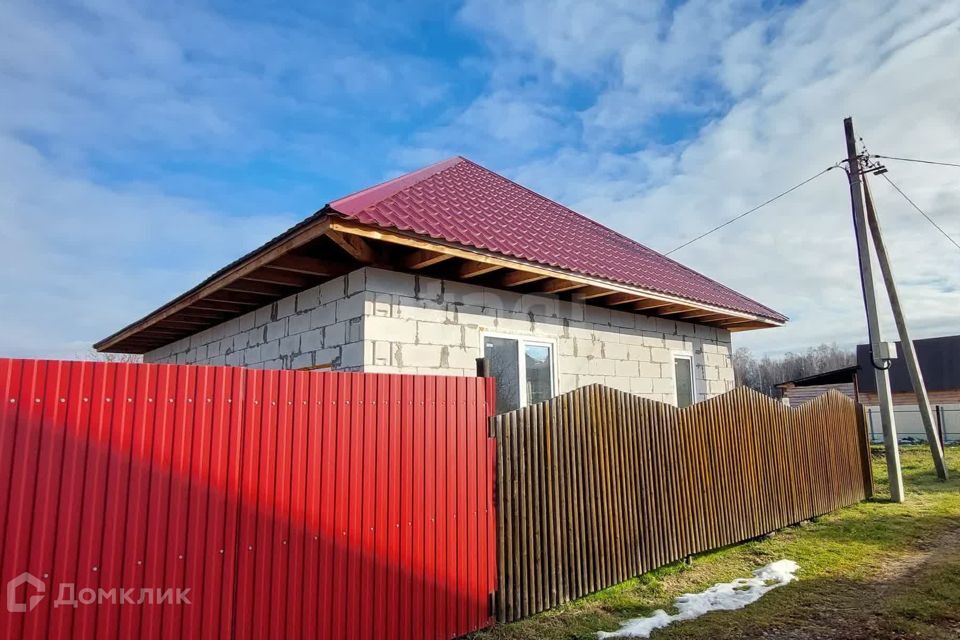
column 359, row 200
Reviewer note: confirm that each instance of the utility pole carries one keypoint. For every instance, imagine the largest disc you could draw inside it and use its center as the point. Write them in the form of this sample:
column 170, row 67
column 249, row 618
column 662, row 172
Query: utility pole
column 873, row 320
column 909, row 352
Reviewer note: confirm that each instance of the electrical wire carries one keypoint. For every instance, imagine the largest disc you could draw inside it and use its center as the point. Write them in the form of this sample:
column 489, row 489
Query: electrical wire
column 756, row 208
column 942, row 164
column 929, row 219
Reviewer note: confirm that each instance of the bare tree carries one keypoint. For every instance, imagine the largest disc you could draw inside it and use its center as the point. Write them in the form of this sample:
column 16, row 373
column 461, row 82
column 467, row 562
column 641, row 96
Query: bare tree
column 764, row 374
column 98, row 356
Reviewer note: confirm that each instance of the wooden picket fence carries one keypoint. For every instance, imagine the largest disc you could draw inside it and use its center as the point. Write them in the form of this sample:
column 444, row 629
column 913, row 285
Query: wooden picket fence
column 597, row 485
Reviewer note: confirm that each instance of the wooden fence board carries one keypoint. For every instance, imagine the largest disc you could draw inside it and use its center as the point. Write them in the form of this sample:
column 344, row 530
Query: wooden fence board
column 598, row 485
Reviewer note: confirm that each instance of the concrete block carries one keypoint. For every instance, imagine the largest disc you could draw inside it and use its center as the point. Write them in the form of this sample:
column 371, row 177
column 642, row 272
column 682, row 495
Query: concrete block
column 276, row 330
column 627, row 369
column 622, row 319
column 417, row 355
column 665, row 326
column 660, row 355
column 574, row 365
column 540, row 305
column 381, row 353
column 290, row 345
column 568, row 382
column 286, row 307
column 382, row 281
column 270, row 350
column 251, row 355
column 351, row 355
column 328, row 357
column 566, row 347
column 411, row 309
column 615, row 351
column 665, row 386
column 641, row 385
column 311, row 340
column 638, row 353
column 649, row 370
column 323, row 316
column 234, row 359
column 589, row 348
column 218, row 361
column 392, row 329
column 352, row 307
column 616, row 382
column 461, row 357
column 335, row 334
column 302, row 361
column 427, row 288
column 263, row 315
column 596, row 315
column 442, row 334
column 382, row 305
column 354, row 329
column 333, row 290
column 502, row 300
column 460, row 293
column 298, row 323
column 356, row 281
column 247, row 321
column 602, row 367
column 308, row 299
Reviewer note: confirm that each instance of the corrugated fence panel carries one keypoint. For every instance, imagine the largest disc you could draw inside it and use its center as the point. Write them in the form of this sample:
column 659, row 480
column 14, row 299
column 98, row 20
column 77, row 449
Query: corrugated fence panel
column 597, row 485
column 289, row 504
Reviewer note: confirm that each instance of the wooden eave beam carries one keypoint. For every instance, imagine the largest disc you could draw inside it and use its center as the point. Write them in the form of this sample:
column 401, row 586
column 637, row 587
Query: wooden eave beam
column 624, row 298
column 593, row 292
column 649, row 305
column 243, row 285
column 422, row 258
column 559, row 285
column 473, row 268
column 673, row 309
column 308, row 265
column 215, row 305
column 356, row 247
column 518, row 278
column 279, row 276
column 698, row 314
column 236, row 297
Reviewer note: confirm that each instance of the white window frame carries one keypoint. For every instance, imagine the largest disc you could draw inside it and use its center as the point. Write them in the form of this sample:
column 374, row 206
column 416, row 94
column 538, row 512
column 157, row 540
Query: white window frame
column 523, row 340
column 684, row 355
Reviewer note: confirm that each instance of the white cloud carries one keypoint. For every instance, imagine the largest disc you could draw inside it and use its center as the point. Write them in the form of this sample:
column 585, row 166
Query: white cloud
column 785, row 81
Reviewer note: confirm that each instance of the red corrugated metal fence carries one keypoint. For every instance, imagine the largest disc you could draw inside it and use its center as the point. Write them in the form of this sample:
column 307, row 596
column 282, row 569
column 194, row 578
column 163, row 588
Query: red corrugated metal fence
column 290, row 504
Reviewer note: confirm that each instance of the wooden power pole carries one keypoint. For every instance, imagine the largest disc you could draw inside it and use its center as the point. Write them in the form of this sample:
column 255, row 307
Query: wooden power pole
column 881, row 370
column 906, row 344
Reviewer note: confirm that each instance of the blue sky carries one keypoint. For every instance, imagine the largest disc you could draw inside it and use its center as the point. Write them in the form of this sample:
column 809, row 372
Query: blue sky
column 143, row 145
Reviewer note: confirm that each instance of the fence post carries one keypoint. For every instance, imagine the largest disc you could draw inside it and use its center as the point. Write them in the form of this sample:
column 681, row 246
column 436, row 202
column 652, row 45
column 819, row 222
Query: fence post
column 940, row 421
column 483, row 368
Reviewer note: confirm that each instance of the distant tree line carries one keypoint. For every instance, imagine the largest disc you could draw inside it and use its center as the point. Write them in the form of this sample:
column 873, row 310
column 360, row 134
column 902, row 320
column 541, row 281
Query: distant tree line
column 764, row 374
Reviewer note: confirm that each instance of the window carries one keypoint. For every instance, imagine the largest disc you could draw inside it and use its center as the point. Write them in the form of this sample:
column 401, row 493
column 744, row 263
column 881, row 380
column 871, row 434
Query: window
column 683, row 378
column 523, row 369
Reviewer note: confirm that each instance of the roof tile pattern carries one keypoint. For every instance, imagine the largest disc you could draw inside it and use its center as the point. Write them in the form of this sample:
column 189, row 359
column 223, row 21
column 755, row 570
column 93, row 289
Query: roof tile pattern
column 460, row 202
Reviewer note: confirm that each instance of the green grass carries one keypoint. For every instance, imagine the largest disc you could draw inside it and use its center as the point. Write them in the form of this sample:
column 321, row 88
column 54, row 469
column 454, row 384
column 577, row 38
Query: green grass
column 873, row 570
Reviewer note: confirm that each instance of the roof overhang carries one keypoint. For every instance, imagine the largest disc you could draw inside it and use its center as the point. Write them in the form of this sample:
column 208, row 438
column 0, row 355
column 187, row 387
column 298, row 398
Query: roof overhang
column 325, row 246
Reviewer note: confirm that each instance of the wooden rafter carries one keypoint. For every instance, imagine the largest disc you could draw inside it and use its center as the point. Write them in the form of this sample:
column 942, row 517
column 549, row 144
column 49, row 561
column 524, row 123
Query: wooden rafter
column 517, row 278
column 650, row 305
column 472, row 268
column 307, row 265
column 559, row 285
column 356, row 247
column 421, row 259
column 624, row 298
column 593, row 292
column 279, row 276
column 243, row 285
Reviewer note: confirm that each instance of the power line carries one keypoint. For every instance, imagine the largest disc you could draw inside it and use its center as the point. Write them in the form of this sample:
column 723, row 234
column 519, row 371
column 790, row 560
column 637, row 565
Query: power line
column 942, row 164
column 756, row 208
column 929, row 219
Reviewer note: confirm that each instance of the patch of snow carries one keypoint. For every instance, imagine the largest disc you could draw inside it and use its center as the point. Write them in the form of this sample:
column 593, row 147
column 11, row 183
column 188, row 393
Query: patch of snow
column 725, row 596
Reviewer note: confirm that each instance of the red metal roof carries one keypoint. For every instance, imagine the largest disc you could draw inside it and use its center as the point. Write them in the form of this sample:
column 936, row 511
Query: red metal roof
column 460, row 202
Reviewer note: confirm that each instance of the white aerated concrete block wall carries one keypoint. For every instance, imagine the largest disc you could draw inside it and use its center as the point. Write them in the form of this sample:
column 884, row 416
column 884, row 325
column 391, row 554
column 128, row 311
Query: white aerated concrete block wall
column 418, row 324
column 388, row 322
column 320, row 325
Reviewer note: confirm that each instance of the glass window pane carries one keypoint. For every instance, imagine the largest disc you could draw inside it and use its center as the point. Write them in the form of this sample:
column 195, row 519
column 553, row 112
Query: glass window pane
column 683, row 374
column 502, row 355
column 539, row 364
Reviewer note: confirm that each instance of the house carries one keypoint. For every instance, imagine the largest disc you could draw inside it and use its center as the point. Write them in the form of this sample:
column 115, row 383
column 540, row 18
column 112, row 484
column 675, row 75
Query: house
column 433, row 269
column 940, row 363
column 801, row 390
